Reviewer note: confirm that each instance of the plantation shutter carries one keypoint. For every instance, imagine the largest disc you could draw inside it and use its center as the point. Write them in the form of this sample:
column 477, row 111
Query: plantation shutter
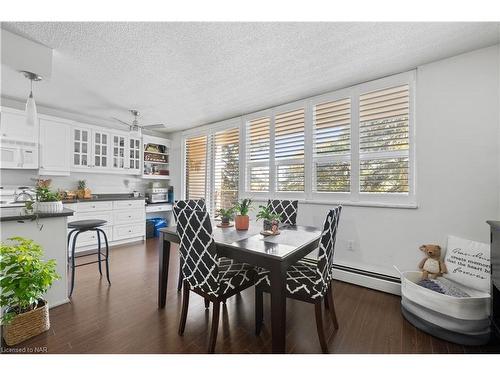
column 258, row 153
column 196, row 167
column 289, row 151
column 384, row 140
column 332, row 146
column 226, row 168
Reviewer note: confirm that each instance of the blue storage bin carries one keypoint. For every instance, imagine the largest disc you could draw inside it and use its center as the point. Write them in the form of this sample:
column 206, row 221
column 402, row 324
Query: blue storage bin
column 159, row 223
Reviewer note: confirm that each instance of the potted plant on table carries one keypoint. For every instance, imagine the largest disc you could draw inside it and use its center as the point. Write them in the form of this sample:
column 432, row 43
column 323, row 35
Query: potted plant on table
column 24, row 279
column 46, row 201
column 270, row 220
column 241, row 220
column 225, row 214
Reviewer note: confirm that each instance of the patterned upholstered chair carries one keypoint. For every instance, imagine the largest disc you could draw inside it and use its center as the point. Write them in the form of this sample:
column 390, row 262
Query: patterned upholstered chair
column 286, row 209
column 205, row 273
column 189, row 204
column 307, row 281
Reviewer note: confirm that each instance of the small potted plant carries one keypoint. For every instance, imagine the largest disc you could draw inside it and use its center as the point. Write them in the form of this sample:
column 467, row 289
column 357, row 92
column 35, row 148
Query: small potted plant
column 46, row 201
column 83, row 191
column 270, row 220
column 225, row 214
column 241, row 220
column 24, row 279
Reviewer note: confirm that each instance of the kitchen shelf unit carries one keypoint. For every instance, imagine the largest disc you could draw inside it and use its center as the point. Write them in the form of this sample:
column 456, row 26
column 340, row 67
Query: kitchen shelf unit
column 155, row 149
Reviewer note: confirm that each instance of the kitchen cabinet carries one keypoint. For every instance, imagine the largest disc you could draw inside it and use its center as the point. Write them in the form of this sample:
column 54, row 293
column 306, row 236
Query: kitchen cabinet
column 125, row 221
column 100, row 148
column 134, row 152
column 119, row 143
column 81, row 147
column 13, row 126
column 54, row 148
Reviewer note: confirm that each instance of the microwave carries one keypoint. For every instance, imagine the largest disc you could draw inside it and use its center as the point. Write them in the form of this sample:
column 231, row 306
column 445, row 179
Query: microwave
column 157, row 195
column 18, row 156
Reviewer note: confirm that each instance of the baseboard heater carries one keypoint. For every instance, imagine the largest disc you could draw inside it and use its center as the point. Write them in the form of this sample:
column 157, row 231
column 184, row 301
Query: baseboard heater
column 368, row 279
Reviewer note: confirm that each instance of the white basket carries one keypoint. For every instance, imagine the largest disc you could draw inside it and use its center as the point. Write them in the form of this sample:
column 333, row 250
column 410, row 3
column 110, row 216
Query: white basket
column 48, row 207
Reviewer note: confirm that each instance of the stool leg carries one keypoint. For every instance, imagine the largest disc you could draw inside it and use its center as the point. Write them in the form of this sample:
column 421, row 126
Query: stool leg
column 69, row 241
column 99, row 251
column 73, row 263
column 107, row 254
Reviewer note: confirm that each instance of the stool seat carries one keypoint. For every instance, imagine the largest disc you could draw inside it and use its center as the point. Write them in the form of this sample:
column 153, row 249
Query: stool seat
column 86, row 224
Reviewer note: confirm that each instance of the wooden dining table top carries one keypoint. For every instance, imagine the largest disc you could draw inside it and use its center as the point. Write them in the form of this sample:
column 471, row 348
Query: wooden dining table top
column 291, row 238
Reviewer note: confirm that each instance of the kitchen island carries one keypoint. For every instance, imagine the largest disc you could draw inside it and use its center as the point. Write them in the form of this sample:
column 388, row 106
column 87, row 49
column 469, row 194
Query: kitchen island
column 48, row 230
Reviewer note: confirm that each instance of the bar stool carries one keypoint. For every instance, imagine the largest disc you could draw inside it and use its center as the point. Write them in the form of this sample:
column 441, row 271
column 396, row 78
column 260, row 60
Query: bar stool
column 81, row 226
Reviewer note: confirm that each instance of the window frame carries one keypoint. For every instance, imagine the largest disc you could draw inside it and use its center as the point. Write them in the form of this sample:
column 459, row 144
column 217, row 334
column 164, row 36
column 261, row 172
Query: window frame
column 354, row 197
column 209, row 131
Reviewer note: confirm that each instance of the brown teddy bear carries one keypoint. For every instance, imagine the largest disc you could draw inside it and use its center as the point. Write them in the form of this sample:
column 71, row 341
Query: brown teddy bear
column 432, row 265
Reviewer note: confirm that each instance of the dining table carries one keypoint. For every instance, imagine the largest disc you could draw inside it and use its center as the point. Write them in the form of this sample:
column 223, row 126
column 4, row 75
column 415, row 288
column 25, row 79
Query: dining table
column 275, row 253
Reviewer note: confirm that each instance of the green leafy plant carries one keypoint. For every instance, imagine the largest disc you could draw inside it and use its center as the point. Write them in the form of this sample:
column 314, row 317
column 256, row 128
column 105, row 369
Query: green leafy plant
column 266, row 214
column 243, row 206
column 82, row 184
column 225, row 214
column 24, row 276
column 44, row 194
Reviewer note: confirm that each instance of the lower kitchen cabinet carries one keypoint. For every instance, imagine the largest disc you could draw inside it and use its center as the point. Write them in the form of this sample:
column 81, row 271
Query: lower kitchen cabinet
column 125, row 221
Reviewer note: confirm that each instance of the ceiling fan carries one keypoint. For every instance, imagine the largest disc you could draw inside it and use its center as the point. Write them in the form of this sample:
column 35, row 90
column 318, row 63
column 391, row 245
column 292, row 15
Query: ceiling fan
column 134, row 126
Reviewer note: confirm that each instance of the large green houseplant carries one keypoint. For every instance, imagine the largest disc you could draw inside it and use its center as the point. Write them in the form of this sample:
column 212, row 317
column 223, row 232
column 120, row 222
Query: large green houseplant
column 24, row 279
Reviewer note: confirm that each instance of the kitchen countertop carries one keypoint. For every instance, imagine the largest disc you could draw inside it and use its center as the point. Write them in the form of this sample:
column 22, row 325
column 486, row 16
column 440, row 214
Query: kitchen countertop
column 494, row 224
column 105, row 197
column 20, row 214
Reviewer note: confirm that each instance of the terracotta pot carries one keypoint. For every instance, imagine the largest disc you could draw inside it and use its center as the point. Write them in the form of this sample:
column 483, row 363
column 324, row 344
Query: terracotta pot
column 241, row 222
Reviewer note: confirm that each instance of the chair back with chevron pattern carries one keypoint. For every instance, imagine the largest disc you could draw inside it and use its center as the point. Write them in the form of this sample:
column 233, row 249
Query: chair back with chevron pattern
column 327, row 247
column 189, row 204
column 285, row 208
column 198, row 251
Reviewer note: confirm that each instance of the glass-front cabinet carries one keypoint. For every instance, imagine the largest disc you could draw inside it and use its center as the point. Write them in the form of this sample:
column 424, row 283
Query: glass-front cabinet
column 101, row 149
column 119, row 152
column 106, row 151
column 134, row 152
column 81, row 147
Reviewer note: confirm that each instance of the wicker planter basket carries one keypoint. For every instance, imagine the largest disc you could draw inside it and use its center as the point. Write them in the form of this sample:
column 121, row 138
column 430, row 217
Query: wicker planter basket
column 27, row 325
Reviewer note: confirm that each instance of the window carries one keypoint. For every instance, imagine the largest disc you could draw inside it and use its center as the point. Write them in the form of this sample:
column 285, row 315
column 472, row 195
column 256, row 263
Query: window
column 384, row 140
column 196, row 167
column 258, row 152
column 289, row 150
column 353, row 146
column 226, row 168
column 212, row 167
column 332, row 146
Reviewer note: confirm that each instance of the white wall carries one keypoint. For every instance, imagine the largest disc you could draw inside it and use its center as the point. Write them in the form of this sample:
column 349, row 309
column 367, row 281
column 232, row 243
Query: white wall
column 458, row 170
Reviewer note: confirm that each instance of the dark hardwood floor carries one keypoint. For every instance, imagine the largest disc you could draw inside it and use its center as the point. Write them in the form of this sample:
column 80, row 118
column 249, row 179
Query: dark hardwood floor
column 124, row 318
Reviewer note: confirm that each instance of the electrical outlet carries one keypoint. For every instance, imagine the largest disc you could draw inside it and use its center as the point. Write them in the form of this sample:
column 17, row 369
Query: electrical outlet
column 350, row 245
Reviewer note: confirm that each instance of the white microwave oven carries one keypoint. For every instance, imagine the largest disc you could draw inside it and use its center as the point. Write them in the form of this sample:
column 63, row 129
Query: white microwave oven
column 14, row 155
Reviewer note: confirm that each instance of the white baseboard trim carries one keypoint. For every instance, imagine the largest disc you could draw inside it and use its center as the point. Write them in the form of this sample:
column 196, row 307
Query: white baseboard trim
column 59, row 303
column 367, row 281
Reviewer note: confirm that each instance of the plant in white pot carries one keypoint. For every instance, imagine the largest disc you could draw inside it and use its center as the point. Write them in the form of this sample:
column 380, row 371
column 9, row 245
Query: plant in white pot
column 24, row 279
column 47, row 201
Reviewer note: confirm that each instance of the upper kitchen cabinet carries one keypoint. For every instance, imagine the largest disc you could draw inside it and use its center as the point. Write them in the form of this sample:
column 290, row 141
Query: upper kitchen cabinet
column 81, row 145
column 134, row 155
column 55, row 147
column 100, row 148
column 13, row 126
column 18, row 141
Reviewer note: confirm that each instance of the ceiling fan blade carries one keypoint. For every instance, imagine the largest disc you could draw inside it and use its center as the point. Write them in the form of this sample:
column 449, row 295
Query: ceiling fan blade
column 123, row 122
column 155, row 126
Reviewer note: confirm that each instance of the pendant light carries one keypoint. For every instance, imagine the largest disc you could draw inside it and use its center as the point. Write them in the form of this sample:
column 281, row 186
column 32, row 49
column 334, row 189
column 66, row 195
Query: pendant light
column 31, row 114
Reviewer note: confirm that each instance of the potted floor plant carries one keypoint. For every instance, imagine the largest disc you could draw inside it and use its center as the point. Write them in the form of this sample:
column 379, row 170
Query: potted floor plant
column 24, row 279
column 225, row 215
column 241, row 220
column 270, row 220
column 46, row 201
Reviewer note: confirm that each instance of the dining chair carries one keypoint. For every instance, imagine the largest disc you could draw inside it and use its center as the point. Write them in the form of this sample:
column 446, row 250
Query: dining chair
column 285, row 208
column 188, row 204
column 306, row 281
column 205, row 273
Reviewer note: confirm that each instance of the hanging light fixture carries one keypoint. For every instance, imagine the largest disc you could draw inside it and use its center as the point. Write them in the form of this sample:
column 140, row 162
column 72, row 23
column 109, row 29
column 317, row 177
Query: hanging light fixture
column 31, row 114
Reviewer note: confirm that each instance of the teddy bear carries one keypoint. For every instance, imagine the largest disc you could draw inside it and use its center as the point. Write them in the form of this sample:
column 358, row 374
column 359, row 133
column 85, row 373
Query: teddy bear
column 432, row 265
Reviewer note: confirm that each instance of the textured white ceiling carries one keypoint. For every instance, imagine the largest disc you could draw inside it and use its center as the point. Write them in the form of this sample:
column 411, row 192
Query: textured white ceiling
column 188, row 74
